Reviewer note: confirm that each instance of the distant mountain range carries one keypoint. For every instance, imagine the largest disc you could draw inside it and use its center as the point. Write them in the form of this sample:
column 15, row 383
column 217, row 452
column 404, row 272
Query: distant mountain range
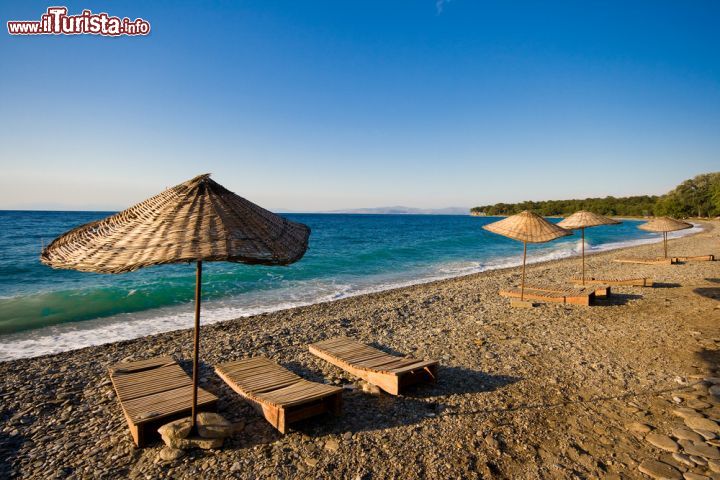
column 400, row 210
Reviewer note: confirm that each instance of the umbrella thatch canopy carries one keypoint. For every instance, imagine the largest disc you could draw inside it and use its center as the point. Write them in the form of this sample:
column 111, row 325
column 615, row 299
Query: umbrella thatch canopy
column 585, row 219
column 664, row 225
column 582, row 220
column 196, row 221
column 527, row 227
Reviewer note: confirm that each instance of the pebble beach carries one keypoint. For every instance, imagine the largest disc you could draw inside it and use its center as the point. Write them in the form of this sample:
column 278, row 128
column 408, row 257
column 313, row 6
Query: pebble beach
column 623, row 389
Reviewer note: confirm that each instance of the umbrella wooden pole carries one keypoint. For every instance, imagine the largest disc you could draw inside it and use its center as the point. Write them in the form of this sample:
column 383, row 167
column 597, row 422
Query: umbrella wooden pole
column 196, row 348
column 522, row 280
column 665, row 242
column 583, row 256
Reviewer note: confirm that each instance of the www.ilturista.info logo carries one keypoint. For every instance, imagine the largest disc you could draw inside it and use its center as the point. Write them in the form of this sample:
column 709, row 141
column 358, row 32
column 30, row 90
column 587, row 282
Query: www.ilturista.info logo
column 57, row 22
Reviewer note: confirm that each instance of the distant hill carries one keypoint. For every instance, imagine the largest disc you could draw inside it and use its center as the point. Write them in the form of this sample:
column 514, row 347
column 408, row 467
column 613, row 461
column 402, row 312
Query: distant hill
column 399, row 210
column 697, row 197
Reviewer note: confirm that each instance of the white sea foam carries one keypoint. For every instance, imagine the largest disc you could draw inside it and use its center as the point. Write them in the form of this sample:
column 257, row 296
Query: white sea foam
column 70, row 336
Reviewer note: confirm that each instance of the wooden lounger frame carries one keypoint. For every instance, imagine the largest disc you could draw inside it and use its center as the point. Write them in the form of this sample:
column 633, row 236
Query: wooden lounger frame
column 647, row 261
column 155, row 391
column 280, row 395
column 388, row 372
column 601, row 290
column 631, row 282
column 696, row 258
column 574, row 296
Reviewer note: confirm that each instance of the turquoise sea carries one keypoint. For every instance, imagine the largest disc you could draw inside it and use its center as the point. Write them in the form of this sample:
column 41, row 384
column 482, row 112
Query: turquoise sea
column 44, row 310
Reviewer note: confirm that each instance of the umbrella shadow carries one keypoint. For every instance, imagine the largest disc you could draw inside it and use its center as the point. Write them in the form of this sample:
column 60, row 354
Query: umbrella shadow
column 711, row 358
column 712, row 293
column 308, row 373
column 388, row 350
column 713, row 280
column 418, row 403
column 360, row 412
column 208, row 379
column 365, row 411
column 9, row 448
column 462, row 381
column 234, row 408
column 617, row 299
column 453, row 380
column 591, row 401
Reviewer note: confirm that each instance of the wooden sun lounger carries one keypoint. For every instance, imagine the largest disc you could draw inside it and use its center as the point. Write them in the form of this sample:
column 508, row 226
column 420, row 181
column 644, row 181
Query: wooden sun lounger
column 600, row 290
column 647, row 261
column 386, row 371
column 696, row 258
column 575, row 296
column 280, row 395
column 631, row 282
column 155, row 391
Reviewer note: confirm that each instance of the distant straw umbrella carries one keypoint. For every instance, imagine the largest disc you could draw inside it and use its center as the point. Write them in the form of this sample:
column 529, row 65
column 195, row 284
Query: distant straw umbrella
column 582, row 220
column 527, row 227
column 664, row 225
column 196, row 221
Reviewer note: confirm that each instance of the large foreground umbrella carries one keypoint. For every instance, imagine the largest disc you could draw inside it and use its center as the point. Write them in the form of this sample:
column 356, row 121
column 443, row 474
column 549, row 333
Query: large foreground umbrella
column 196, row 221
column 527, row 227
column 583, row 220
column 664, row 225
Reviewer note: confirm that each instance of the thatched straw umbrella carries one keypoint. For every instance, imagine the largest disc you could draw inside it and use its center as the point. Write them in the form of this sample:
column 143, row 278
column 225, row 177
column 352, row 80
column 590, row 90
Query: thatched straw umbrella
column 527, row 227
column 664, row 225
column 196, row 221
column 582, row 220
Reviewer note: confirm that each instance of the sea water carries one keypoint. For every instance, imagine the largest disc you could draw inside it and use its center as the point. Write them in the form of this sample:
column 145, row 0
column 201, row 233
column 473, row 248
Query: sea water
column 43, row 310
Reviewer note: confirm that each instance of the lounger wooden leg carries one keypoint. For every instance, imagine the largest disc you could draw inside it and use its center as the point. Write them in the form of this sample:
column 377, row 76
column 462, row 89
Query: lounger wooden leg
column 389, row 383
column 335, row 404
column 135, row 432
column 274, row 415
column 281, row 425
column 584, row 300
column 602, row 291
column 141, row 435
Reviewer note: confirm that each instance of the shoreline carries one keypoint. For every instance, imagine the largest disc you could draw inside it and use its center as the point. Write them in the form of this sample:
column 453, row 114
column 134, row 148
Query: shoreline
column 522, row 393
column 83, row 333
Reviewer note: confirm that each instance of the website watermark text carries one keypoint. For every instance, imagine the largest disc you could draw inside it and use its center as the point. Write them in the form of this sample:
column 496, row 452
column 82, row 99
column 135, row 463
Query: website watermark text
column 56, row 21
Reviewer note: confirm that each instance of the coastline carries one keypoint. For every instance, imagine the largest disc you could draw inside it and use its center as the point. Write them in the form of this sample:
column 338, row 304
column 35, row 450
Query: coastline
column 522, row 394
column 75, row 335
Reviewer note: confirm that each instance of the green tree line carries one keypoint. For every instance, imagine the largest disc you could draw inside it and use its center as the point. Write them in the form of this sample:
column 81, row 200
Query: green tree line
column 697, row 197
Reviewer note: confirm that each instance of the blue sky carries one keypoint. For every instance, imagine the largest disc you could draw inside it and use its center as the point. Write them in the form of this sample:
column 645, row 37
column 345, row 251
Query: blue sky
column 303, row 106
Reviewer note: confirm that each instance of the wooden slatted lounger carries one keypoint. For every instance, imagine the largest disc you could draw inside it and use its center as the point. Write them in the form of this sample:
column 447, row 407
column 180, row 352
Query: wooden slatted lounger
column 632, row 282
column 573, row 296
column 601, row 291
column 696, row 258
column 280, row 395
column 647, row 261
column 155, row 391
column 386, row 371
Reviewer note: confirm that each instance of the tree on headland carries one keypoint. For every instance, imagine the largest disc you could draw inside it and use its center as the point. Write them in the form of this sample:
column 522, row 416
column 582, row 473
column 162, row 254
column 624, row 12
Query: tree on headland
column 715, row 197
column 697, row 197
column 692, row 198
